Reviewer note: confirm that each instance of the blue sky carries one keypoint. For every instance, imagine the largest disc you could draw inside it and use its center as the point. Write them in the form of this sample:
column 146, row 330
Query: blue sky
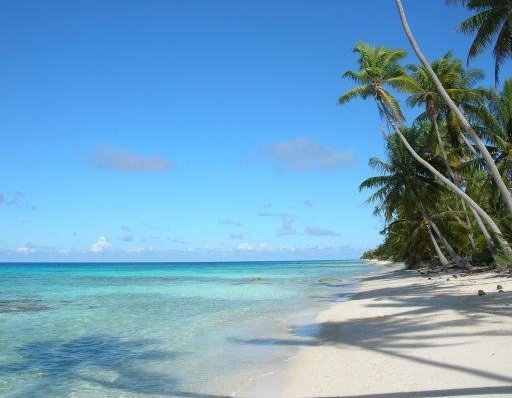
column 193, row 130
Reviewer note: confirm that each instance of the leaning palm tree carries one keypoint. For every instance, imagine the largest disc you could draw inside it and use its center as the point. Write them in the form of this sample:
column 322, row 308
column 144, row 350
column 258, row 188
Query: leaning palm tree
column 489, row 161
column 497, row 118
column 405, row 193
column 378, row 68
column 458, row 83
column 460, row 86
column 494, row 122
column 492, row 22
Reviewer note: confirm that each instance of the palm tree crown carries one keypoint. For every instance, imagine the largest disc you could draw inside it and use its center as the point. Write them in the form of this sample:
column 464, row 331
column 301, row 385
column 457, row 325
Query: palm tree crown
column 459, row 84
column 378, row 67
column 491, row 23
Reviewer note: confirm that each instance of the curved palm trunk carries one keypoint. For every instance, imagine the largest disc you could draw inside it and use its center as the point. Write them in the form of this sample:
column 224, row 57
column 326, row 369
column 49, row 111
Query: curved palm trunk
column 442, row 259
column 456, row 190
column 468, row 144
column 481, row 225
column 459, row 261
column 491, row 166
column 453, row 177
column 490, row 244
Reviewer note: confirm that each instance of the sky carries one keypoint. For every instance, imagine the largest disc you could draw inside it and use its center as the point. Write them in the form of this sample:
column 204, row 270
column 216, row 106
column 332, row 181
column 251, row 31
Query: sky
column 187, row 130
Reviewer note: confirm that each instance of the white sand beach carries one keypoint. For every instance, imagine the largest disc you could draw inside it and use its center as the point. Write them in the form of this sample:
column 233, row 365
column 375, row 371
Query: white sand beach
column 404, row 335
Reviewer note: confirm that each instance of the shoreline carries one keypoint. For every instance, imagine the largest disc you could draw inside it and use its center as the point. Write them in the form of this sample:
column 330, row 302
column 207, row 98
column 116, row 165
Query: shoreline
column 404, row 335
column 270, row 373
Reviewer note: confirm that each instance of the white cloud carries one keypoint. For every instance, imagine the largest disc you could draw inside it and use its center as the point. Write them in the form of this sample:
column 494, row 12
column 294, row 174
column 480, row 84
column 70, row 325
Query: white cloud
column 263, row 246
column 243, row 252
column 245, row 246
column 101, row 245
column 27, row 248
column 302, row 155
column 137, row 249
column 105, row 157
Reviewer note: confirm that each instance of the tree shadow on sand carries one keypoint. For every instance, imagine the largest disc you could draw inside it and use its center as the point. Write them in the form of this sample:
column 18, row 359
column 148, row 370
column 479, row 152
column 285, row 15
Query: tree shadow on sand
column 409, row 319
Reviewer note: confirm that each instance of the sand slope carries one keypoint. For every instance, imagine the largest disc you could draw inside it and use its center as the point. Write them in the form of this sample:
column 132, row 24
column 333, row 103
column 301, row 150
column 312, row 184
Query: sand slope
column 403, row 335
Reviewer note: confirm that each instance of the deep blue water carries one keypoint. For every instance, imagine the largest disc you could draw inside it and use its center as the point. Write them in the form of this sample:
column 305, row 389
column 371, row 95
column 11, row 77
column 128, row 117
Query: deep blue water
column 152, row 330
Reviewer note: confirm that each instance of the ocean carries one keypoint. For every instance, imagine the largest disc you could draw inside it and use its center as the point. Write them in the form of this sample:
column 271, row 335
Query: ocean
column 156, row 329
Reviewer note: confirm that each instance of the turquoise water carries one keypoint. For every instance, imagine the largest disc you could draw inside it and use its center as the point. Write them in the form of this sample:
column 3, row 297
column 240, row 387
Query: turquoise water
column 152, row 330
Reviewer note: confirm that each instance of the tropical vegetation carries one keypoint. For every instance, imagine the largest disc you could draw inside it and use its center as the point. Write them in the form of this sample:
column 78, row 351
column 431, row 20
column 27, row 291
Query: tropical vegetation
column 443, row 188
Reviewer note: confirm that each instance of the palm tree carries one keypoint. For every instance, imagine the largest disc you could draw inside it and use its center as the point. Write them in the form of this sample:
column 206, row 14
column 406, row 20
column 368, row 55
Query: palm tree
column 498, row 121
column 379, row 67
column 442, row 259
column 459, row 85
column 489, row 161
column 403, row 194
column 494, row 122
column 492, row 22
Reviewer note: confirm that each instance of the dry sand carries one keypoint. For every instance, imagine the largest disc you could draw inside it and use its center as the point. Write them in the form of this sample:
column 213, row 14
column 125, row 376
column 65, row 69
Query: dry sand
column 403, row 335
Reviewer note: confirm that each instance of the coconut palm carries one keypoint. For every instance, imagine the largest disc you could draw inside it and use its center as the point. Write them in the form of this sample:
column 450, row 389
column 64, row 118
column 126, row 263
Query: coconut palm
column 459, row 84
column 378, row 69
column 489, row 161
column 494, row 121
column 404, row 193
column 499, row 123
column 491, row 24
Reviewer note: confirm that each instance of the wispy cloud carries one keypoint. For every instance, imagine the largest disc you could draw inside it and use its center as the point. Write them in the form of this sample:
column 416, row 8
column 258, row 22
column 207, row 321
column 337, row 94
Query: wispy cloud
column 302, row 155
column 180, row 241
column 233, row 223
column 287, row 227
column 17, row 200
column 105, row 157
column 308, row 203
column 236, row 236
column 27, row 248
column 127, row 238
column 269, row 214
column 317, row 231
column 287, row 222
column 101, row 245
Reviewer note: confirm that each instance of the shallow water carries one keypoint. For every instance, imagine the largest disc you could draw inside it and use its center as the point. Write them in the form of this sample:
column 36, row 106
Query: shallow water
column 152, row 330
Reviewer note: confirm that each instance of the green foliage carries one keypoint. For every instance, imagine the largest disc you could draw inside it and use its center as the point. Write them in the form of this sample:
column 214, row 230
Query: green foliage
column 491, row 25
column 378, row 69
column 413, row 204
